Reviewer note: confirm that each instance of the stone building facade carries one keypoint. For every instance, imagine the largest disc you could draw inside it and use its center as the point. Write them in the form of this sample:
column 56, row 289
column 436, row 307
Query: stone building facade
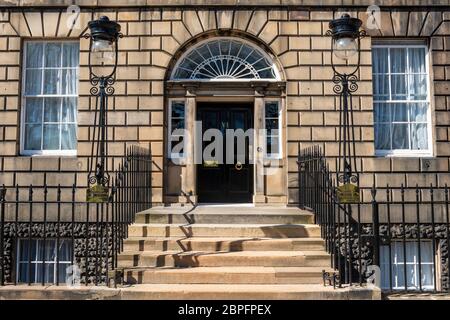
column 290, row 34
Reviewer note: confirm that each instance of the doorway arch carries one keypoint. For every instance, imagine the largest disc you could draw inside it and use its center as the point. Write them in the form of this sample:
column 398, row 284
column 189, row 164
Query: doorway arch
column 216, row 68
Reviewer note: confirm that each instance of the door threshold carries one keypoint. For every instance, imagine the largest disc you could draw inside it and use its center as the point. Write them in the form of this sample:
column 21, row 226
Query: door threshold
column 214, row 204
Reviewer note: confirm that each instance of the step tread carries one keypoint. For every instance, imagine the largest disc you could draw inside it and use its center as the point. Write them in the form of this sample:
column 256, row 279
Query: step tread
column 225, row 239
column 312, row 253
column 225, row 225
column 233, row 270
column 228, row 288
column 231, row 213
column 232, row 210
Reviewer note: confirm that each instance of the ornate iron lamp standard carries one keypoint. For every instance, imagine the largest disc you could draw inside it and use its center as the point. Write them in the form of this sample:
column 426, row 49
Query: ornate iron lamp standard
column 346, row 38
column 103, row 54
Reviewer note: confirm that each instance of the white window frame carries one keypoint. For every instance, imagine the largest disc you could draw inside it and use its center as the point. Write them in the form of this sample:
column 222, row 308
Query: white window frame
column 279, row 154
column 171, row 154
column 252, row 45
column 38, row 263
column 398, row 245
column 407, row 152
column 41, row 152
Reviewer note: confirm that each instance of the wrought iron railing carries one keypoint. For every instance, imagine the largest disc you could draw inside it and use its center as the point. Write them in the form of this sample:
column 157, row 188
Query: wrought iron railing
column 397, row 237
column 60, row 214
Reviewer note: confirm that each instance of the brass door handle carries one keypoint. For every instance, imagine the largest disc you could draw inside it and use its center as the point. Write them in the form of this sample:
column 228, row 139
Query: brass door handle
column 238, row 166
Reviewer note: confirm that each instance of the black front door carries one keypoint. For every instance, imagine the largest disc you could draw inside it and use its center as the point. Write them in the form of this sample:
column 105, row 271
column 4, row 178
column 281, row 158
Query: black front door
column 229, row 180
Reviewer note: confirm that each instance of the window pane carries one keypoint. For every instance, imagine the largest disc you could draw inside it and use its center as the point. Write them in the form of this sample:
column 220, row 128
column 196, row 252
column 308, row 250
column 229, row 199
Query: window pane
column 69, row 110
column 381, row 87
column 33, row 110
column 68, row 136
column 70, row 55
column 50, row 253
column 53, row 54
column 272, row 110
column 23, row 272
column 419, row 136
column 400, row 136
column 177, row 124
column 269, row 145
column 69, row 81
column 65, row 250
column 51, row 137
column 384, row 267
column 49, row 273
column 383, row 136
column 24, row 250
column 271, row 124
column 51, row 81
column 380, row 60
column 269, row 73
column 412, row 276
column 399, row 112
column 33, row 80
column 418, row 112
column 63, row 272
column 52, row 107
column 34, row 55
column 272, row 145
column 177, row 110
column 177, row 144
column 418, row 87
column 381, row 112
column 427, row 275
column 33, row 136
column 417, row 60
column 398, row 60
column 398, row 87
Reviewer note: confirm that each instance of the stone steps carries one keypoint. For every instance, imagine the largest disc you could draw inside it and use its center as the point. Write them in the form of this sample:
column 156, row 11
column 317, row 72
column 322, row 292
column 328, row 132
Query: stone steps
column 211, row 244
column 226, row 275
column 224, row 230
column 227, row 253
column 216, row 259
column 225, row 216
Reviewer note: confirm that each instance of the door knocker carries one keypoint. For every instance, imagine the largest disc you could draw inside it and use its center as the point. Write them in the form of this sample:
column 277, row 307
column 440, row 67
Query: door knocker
column 238, row 166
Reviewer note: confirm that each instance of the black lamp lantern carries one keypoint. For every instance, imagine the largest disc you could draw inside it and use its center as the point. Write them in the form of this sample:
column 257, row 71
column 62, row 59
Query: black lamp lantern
column 103, row 54
column 346, row 35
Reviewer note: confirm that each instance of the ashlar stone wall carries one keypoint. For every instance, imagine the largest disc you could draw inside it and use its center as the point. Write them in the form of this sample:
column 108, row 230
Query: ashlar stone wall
column 152, row 37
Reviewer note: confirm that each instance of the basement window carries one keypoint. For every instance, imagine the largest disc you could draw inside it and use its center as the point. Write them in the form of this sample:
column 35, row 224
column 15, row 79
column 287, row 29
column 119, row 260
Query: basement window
column 38, row 260
column 418, row 270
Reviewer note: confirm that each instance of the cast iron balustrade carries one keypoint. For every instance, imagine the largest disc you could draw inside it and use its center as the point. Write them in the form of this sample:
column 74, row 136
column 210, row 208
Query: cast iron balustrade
column 389, row 224
column 60, row 213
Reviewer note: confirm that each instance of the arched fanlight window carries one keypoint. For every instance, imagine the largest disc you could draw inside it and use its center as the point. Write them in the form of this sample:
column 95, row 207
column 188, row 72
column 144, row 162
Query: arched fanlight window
column 225, row 59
